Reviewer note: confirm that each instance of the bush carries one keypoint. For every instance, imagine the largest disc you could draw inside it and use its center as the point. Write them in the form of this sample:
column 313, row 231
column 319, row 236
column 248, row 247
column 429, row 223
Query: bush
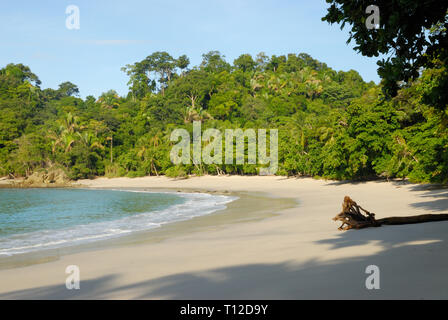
column 114, row 170
column 176, row 172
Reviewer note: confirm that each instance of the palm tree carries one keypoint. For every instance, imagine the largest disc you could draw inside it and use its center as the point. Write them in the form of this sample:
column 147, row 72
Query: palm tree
column 66, row 134
column 111, row 139
column 90, row 140
column 148, row 152
column 195, row 114
column 109, row 99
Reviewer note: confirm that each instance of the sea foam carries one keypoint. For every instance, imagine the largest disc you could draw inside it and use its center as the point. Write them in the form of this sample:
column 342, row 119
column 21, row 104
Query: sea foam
column 196, row 204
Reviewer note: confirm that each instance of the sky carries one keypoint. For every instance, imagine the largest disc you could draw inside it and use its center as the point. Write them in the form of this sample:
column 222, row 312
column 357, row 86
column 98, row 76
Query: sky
column 114, row 33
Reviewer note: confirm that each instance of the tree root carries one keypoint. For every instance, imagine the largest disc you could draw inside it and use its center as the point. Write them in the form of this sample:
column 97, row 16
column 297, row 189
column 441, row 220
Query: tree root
column 353, row 216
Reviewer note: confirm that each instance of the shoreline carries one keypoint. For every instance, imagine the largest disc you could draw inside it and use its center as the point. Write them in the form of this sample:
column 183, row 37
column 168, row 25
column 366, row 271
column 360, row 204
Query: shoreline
column 259, row 206
column 296, row 254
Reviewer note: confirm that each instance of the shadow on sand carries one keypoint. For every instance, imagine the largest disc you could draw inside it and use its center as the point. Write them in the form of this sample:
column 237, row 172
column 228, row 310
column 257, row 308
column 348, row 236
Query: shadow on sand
column 413, row 261
column 439, row 202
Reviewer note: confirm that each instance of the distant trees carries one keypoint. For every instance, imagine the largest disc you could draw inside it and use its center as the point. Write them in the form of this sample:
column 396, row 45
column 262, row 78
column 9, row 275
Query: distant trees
column 18, row 74
column 67, row 89
column 245, row 63
column 157, row 67
column 331, row 123
column 109, row 99
column 214, row 62
column 182, row 63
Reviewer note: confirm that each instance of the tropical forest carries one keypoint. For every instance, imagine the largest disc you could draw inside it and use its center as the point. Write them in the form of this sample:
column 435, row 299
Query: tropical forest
column 331, row 124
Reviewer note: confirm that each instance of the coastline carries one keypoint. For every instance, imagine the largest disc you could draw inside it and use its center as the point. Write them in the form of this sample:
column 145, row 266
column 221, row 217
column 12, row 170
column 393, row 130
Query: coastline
column 297, row 253
column 256, row 207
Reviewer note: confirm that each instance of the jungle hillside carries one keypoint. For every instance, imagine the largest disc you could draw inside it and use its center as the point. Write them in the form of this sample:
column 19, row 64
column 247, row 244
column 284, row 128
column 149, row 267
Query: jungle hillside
column 331, row 124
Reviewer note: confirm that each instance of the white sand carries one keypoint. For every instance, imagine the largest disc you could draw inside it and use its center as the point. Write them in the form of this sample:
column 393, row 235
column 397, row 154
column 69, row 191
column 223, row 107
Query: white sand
column 297, row 254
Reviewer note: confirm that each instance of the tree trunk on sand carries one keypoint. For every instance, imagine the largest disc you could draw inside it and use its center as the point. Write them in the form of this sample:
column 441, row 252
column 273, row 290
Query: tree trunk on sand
column 353, row 216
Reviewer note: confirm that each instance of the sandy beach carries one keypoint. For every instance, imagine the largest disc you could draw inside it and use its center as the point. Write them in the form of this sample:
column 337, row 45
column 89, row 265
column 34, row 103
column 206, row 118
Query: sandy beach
column 292, row 251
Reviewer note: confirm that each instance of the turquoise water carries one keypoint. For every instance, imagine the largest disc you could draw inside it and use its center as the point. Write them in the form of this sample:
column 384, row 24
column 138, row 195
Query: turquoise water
column 36, row 219
column 23, row 211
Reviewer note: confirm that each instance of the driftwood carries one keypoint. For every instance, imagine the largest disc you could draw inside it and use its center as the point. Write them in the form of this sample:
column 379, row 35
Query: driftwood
column 353, row 216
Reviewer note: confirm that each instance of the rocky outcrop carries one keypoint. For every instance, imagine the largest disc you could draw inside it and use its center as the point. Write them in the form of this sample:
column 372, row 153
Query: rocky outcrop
column 53, row 177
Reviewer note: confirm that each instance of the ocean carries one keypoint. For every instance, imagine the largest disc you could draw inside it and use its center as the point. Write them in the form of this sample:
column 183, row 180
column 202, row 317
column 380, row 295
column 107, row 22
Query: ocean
column 39, row 219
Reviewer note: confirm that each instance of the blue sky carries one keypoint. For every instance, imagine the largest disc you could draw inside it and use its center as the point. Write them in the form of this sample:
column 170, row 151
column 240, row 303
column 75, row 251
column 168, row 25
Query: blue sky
column 115, row 33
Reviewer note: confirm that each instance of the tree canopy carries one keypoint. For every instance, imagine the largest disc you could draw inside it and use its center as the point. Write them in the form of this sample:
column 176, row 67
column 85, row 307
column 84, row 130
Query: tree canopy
column 331, row 123
column 412, row 33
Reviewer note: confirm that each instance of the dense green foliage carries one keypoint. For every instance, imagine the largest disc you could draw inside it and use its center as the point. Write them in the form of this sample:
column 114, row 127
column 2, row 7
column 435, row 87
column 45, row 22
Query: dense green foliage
column 412, row 33
column 331, row 124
